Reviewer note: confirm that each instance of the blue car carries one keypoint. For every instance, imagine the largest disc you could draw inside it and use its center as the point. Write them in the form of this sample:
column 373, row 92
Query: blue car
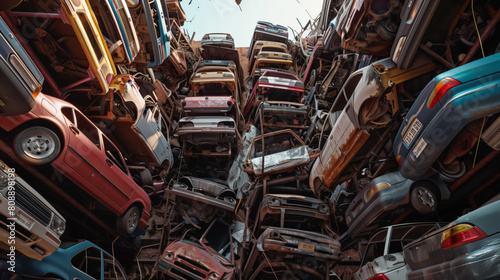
column 447, row 104
column 467, row 248
column 384, row 197
column 21, row 80
column 83, row 260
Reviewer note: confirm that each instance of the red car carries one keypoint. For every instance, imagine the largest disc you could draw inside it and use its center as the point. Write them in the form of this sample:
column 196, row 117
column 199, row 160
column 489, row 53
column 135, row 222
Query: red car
column 56, row 132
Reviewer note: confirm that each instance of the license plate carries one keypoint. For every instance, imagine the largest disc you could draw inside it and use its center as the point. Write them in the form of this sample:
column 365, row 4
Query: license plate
column 23, row 221
column 416, row 125
column 306, row 246
column 419, row 148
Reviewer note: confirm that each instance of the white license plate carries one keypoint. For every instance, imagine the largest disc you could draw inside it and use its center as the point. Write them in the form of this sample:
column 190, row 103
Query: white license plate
column 416, row 125
column 23, row 221
column 419, row 148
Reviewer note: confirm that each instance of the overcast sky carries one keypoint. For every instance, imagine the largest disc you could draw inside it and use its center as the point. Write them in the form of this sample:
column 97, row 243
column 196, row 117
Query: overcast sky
column 224, row 16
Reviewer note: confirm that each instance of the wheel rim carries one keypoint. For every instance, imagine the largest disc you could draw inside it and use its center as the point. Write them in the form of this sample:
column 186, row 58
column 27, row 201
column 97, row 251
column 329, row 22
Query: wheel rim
column 426, row 197
column 38, row 145
column 132, row 221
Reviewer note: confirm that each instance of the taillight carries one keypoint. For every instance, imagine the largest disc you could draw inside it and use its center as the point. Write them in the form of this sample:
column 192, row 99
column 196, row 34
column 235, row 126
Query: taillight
column 399, row 159
column 441, row 88
column 460, row 235
column 379, row 276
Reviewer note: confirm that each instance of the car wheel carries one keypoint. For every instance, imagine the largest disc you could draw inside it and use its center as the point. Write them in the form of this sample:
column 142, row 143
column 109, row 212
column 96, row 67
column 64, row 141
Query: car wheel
column 423, row 197
column 452, row 172
column 37, row 145
column 127, row 223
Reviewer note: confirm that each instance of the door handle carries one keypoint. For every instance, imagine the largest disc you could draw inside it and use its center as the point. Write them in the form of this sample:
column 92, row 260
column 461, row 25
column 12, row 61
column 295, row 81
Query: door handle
column 109, row 162
column 74, row 130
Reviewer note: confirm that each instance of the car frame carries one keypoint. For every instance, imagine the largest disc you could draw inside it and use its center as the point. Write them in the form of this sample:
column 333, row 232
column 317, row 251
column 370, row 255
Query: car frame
column 277, row 115
column 81, row 152
column 274, row 86
column 202, row 134
column 203, row 198
column 269, row 32
column 42, row 224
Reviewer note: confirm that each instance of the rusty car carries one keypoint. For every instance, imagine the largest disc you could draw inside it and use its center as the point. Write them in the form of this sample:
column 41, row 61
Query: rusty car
column 208, row 136
column 364, row 109
column 203, row 199
column 291, row 253
column 211, row 256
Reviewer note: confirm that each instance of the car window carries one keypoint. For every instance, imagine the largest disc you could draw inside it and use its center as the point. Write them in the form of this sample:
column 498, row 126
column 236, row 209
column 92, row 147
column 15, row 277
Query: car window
column 68, row 113
column 87, row 128
column 112, row 269
column 114, row 155
column 89, row 262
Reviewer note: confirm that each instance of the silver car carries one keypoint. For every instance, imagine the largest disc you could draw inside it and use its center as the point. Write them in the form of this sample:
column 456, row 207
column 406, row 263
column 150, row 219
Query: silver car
column 467, row 248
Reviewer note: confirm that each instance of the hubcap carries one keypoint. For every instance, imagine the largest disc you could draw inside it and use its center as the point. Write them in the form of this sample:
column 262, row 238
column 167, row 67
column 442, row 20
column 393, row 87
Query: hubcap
column 426, row 197
column 38, row 146
column 132, row 220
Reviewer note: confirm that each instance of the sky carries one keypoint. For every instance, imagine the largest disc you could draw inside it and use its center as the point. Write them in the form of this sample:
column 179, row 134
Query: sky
column 224, row 16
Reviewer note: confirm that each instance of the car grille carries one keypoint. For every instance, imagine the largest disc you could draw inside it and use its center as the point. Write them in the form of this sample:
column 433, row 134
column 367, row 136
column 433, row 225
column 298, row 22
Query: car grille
column 32, row 206
column 90, row 35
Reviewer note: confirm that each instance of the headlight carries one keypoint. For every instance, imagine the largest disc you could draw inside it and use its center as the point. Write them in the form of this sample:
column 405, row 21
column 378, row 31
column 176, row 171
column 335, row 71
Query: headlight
column 374, row 189
column 214, row 275
column 323, row 208
column 58, row 225
column 168, row 256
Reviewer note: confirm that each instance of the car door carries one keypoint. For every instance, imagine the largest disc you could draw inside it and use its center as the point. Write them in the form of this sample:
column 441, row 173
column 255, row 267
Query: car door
column 151, row 128
column 84, row 155
column 117, row 186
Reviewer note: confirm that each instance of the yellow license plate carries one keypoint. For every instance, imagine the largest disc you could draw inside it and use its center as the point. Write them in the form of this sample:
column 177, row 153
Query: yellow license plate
column 306, row 246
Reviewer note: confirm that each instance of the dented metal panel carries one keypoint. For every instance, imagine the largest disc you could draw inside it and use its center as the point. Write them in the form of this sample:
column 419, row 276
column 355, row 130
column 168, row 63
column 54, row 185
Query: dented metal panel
column 293, row 241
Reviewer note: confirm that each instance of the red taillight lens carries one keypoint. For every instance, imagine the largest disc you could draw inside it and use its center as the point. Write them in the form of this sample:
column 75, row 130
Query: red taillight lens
column 379, row 276
column 441, row 88
column 460, row 235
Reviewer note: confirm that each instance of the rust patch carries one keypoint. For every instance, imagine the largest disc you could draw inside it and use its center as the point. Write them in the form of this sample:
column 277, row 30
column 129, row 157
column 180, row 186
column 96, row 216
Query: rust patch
column 336, row 164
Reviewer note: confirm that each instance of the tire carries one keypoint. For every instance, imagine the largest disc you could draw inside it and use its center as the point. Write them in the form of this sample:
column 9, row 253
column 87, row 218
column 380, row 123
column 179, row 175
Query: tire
column 424, row 198
column 127, row 223
column 37, row 145
column 146, row 177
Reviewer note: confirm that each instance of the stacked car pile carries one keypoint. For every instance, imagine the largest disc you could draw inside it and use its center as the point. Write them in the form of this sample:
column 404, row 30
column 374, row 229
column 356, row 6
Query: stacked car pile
column 385, row 113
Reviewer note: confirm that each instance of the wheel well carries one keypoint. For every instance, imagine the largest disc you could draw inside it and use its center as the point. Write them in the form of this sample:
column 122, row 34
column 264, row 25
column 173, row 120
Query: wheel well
column 44, row 123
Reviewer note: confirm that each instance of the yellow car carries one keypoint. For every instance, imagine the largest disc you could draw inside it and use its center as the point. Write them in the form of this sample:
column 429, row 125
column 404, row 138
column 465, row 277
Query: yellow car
column 82, row 19
column 272, row 60
column 267, row 46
